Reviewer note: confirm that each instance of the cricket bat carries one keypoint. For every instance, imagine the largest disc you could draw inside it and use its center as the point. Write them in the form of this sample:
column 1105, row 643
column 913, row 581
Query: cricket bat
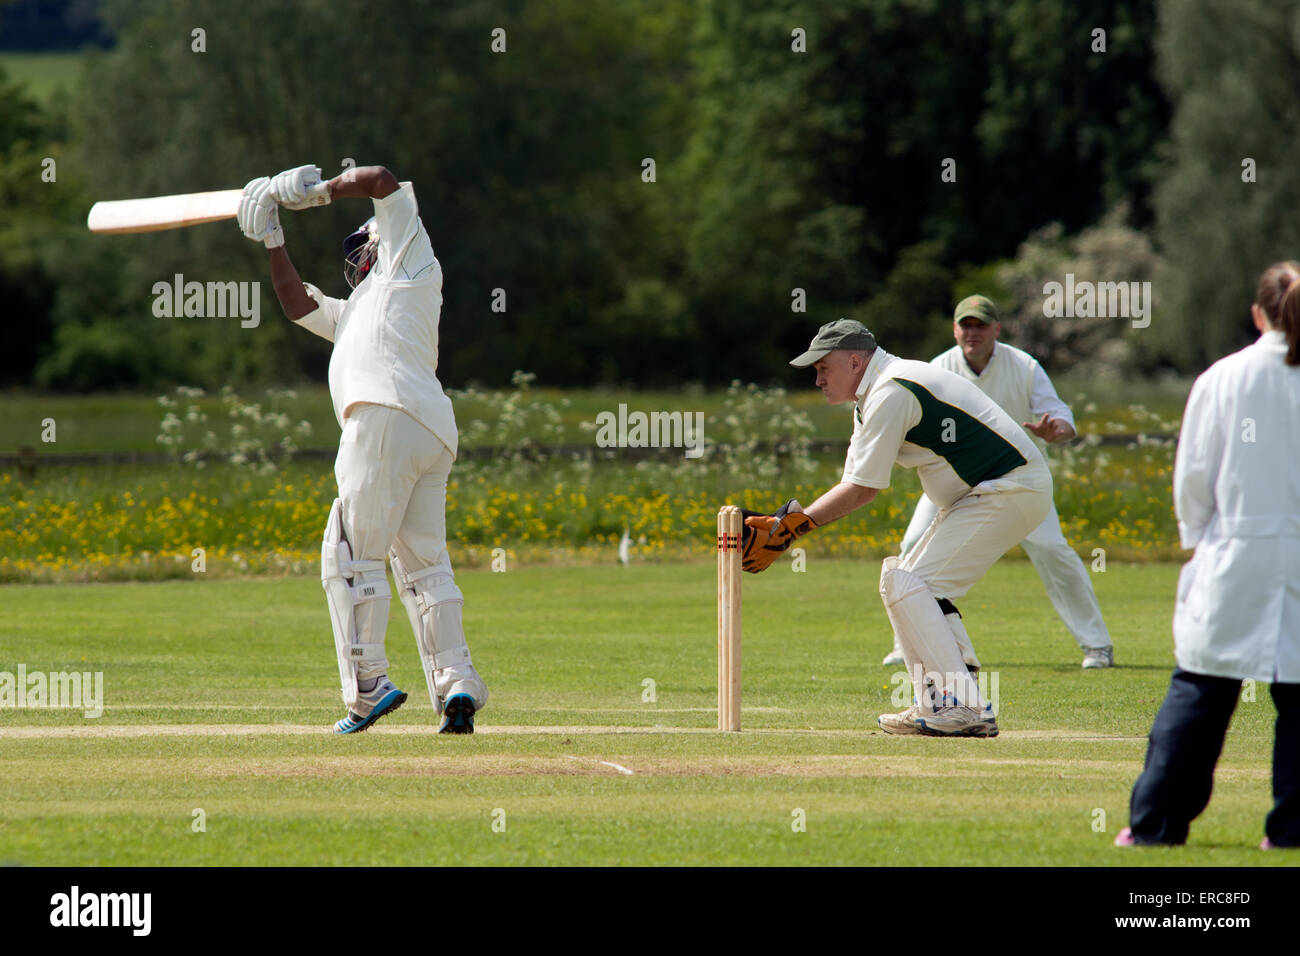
column 173, row 212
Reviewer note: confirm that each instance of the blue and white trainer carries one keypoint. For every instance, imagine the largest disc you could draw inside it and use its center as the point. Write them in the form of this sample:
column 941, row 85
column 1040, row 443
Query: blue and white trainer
column 384, row 699
column 458, row 715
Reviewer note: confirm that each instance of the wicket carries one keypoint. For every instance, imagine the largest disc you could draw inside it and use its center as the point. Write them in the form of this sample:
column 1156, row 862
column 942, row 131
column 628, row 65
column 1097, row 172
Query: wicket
column 729, row 531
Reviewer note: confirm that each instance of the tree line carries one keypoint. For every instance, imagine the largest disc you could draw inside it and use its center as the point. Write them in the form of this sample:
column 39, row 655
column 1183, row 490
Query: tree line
column 653, row 192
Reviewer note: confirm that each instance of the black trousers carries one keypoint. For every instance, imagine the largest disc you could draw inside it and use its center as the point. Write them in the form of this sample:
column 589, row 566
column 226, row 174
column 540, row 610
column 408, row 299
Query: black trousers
column 1184, row 745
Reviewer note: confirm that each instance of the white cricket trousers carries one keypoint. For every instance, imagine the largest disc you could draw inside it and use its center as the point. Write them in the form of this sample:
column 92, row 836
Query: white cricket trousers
column 965, row 539
column 1063, row 574
column 392, row 477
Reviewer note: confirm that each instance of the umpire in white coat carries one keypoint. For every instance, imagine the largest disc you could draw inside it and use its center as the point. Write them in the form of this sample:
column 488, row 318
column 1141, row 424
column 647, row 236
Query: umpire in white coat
column 1237, row 616
column 1014, row 379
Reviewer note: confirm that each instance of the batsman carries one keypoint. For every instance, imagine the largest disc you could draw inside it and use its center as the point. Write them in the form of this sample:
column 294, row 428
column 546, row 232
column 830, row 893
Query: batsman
column 397, row 446
column 990, row 483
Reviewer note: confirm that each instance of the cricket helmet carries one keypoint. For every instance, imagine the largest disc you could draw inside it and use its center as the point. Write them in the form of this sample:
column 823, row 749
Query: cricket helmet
column 360, row 249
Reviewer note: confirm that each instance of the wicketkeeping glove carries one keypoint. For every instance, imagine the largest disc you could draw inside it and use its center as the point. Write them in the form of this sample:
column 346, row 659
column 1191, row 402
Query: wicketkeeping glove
column 764, row 537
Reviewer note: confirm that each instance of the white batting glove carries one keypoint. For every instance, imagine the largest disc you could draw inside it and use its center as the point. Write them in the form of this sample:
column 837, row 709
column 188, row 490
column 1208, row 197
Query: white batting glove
column 255, row 207
column 291, row 188
column 258, row 215
column 274, row 234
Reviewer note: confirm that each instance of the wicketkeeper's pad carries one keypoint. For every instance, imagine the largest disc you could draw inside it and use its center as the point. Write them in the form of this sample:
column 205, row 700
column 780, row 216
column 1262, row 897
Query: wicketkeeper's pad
column 930, row 646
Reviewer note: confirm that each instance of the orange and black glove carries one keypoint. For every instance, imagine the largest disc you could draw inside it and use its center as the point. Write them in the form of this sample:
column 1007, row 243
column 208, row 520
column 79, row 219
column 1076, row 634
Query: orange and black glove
column 764, row 537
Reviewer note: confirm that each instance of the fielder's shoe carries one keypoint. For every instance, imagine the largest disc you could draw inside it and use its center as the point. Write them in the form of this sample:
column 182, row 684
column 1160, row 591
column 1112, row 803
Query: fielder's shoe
column 384, row 699
column 1267, row 844
column 958, row 721
column 893, row 658
column 458, row 715
column 1099, row 657
column 903, row 723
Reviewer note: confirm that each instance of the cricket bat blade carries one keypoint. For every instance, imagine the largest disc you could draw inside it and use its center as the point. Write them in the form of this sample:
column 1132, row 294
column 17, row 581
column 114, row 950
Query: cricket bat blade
column 163, row 212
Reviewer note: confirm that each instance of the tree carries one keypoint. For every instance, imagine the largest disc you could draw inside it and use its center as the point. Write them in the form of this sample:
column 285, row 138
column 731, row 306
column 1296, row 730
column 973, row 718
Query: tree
column 1099, row 346
column 1231, row 68
column 820, row 170
column 39, row 196
column 526, row 162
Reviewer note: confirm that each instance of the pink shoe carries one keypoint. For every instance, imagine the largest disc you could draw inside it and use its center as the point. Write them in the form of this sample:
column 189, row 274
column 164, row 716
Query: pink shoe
column 1125, row 838
column 1267, row 844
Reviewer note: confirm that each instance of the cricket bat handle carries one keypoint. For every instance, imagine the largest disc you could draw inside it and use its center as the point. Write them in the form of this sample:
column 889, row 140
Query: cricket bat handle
column 317, row 195
column 175, row 212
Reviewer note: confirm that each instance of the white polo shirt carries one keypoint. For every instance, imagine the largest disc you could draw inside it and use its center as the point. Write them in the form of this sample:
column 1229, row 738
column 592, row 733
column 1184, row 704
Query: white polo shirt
column 1015, row 381
column 385, row 333
column 920, row 416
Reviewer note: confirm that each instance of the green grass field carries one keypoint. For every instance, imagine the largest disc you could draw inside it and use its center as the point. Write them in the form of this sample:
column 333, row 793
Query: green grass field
column 219, row 695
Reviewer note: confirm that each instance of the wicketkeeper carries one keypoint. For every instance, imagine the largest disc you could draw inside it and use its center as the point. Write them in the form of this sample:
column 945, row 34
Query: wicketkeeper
column 1015, row 380
column 975, row 462
column 398, row 441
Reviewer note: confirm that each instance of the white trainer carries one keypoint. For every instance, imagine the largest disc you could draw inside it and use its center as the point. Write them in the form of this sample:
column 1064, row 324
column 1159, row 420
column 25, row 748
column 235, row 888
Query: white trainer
column 1099, row 657
column 893, row 658
column 958, row 721
column 902, row 723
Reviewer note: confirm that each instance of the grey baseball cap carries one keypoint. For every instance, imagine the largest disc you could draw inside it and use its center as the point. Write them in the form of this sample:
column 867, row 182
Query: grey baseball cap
column 976, row 307
column 840, row 334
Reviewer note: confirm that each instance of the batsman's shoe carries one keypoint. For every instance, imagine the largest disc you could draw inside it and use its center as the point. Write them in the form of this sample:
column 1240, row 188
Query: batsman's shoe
column 893, row 658
column 384, row 699
column 1099, row 657
column 901, row 723
column 458, row 715
column 958, row 721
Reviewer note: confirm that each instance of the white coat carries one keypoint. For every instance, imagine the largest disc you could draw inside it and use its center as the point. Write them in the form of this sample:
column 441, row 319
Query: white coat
column 1237, row 498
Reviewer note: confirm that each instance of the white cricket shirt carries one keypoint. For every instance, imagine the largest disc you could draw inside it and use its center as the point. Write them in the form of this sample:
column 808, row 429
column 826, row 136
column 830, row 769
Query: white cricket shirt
column 385, row 333
column 1015, row 381
column 923, row 417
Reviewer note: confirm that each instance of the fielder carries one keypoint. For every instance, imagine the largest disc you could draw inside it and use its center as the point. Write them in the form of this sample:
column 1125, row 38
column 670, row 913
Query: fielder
column 1016, row 381
column 989, row 479
column 397, row 447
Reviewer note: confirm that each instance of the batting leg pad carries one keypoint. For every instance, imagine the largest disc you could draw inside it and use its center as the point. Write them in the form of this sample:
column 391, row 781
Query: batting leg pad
column 357, row 594
column 433, row 605
column 931, row 651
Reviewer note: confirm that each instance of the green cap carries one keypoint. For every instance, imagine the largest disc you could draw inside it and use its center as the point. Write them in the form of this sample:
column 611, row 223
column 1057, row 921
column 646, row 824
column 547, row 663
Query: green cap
column 840, row 334
column 976, row 307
